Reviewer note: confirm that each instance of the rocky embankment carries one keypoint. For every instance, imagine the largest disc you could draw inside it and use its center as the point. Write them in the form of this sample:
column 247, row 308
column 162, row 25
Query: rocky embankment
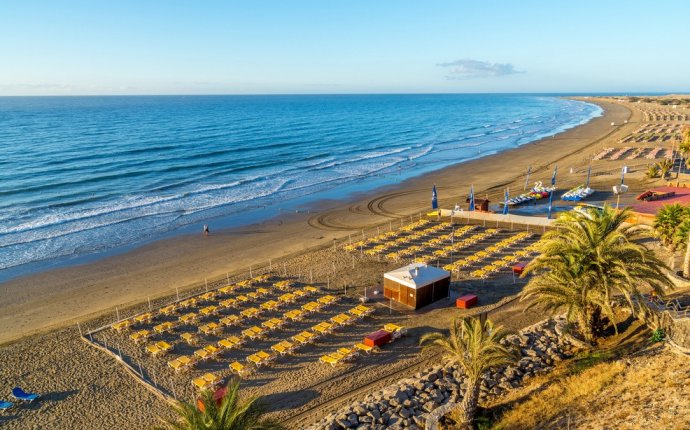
column 408, row 404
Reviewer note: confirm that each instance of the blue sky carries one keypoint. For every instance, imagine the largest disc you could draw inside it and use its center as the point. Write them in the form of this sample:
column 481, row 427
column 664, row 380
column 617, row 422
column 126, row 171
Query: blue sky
column 247, row 47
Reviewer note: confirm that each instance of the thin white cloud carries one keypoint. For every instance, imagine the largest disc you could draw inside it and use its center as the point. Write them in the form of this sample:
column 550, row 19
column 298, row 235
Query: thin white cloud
column 473, row 69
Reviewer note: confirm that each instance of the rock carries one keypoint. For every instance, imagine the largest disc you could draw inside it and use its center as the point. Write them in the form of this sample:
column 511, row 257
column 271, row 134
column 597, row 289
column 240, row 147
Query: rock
column 429, row 406
column 345, row 424
column 354, row 419
column 360, row 410
column 374, row 413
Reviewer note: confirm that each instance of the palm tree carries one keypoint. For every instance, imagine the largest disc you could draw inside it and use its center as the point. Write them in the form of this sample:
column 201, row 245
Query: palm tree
column 585, row 261
column 231, row 414
column 665, row 166
column 476, row 349
column 652, row 171
column 667, row 221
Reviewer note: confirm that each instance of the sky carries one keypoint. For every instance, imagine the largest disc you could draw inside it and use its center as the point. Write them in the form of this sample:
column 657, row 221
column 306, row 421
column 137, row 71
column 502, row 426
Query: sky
column 94, row 47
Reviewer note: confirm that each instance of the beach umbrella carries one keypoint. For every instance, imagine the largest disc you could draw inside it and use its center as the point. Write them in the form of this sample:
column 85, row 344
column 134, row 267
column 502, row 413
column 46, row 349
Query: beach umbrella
column 589, row 173
column 529, row 170
column 505, row 203
column 434, row 198
column 550, row 204
column 553, row 177
column 471, row 208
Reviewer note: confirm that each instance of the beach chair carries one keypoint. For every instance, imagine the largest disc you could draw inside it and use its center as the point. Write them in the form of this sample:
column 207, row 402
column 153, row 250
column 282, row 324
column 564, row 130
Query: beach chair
column 189, row 338
column 140, row 336
column 300, row 339
column 181, row 363
column 164, row 327
column 262, row 292
column 23, row 396
column 364, row 348
column 208, row 380
column 143, row 318
column 347, row 352
column 210, row 328
column 269, row 305
column 208, row 296
column 310, row 289
column 238, row 368
column 226, row 344
column 188, row 302
column 5, row 406
column 209, row 310
column 228, row 303
column 395, row 330
column 244, row 283
column 252, row 296
column 122, row 325
column 188, row 318
column 227, row 289
column 242, row 298
column 229, row 320
column 284, row 347
column 282, row 285
column 269, row 325
column 328, row 359
column 287, row 298
column 250, row 312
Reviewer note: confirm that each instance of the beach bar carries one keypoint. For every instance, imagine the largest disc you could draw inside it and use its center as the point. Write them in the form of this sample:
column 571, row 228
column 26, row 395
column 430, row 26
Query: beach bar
column 416, row 285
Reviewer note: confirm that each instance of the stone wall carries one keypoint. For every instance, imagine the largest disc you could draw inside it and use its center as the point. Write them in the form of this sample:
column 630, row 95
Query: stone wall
column 408, row 403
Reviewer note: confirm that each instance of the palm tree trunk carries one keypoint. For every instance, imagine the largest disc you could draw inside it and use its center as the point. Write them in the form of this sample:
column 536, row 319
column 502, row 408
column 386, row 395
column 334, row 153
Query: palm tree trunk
column 468, row 406
column 686, row 260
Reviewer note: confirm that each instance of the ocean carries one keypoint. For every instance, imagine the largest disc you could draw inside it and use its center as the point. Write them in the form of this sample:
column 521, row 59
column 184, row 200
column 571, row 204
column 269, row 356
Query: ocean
column 81, row 176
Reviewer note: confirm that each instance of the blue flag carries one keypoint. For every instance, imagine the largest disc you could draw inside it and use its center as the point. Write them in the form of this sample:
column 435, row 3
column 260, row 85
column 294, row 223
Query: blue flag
column 550, row 204
column 434, row 198
column 471, row 208
column 505, row 203
column 553, row 178
column 623, row 174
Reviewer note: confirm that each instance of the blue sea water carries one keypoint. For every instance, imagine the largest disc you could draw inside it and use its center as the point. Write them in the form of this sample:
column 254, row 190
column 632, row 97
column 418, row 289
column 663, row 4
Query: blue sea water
column 81, row 175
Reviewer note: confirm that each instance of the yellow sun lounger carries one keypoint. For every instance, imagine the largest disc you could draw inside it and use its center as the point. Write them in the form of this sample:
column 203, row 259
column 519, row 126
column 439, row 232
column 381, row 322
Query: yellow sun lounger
column 140, row 336
column 253, row 332
column 252, row 295
column 327, row 300
column 205, row 382
column 283, row 347
column 122, row 325
column 181, row 363
column 328, row 359
column 160, row 347
column 208, row 296
column 227, row 289
column 250, row 312
column 261, row 278
column 310, row 289
column 188, row 318
column 238, row 368
column 260, row 358
column 143, row 318
column 364, row 348
column 229, row 320
column 228, row 303
column 207, row 352
column 269, row 305
column 262, row 291
column 226, row 344
column 208, row 310
column 189, row 338
column 323, row 328
column 294, row 315
column 210, row 328
column 242, row 298
column 168, row 310
column 189, row 302
column 282, row 285
column 244, row 283
column 164, row 327
column 287, row 298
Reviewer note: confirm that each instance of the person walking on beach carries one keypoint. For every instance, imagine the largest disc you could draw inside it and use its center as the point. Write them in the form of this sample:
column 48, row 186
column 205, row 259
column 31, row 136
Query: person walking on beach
column 206, row 230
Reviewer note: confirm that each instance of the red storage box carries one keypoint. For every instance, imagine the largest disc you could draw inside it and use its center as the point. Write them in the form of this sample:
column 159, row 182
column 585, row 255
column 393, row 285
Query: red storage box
column 466, row 301
column 378, row 338
column 519, row 268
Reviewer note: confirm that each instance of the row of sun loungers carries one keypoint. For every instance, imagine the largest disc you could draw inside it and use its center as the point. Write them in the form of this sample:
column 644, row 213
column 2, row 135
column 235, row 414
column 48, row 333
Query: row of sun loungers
column 396, row 238
column 345, row 354
column 489, row 252
column 18, row 394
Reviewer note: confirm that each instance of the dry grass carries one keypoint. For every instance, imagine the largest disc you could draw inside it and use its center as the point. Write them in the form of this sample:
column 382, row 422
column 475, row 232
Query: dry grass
column 605, row 389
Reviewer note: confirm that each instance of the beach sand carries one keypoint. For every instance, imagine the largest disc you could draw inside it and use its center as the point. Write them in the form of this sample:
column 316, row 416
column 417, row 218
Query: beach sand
column 85, row 388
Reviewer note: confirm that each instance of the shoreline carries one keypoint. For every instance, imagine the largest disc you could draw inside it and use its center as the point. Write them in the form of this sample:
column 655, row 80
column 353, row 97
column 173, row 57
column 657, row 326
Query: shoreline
column 156, row 269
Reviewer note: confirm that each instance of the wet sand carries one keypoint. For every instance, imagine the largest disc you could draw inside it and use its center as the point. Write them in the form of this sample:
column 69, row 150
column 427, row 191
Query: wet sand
column 60, row 297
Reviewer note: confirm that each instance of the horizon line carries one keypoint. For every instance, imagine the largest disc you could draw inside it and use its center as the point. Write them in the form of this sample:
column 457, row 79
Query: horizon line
column 565, row 93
